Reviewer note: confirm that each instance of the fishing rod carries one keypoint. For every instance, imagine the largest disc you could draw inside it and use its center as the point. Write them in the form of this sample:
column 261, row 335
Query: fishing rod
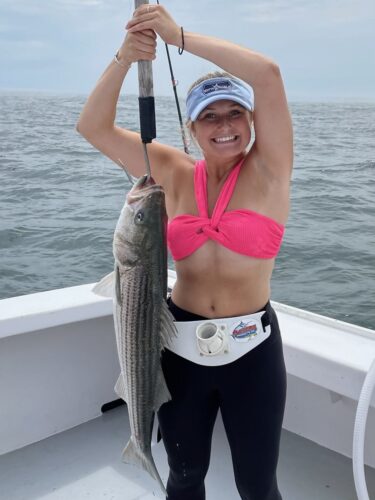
column 147, row 105
column 146, row 102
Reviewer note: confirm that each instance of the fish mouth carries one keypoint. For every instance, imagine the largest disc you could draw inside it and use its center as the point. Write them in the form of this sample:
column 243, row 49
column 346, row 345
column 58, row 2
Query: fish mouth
column 145, row 187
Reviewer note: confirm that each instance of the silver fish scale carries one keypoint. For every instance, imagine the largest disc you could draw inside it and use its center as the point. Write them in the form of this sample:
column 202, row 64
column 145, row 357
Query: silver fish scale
column 138, row 341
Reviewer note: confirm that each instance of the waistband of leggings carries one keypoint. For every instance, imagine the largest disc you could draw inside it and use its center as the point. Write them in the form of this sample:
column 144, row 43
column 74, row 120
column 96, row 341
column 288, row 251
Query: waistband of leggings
column 183, row 315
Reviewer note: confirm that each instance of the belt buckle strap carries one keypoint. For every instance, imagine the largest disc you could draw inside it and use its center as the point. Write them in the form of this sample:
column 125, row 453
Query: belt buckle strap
column 265, row 318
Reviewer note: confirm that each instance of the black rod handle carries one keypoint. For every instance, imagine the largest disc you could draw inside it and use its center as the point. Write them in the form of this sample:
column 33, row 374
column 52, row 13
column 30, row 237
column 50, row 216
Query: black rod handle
column 146, row 95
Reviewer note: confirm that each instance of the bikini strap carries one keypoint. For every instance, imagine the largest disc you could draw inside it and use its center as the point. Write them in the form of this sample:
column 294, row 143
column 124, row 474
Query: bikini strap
column 226, row 193
column 200, row 187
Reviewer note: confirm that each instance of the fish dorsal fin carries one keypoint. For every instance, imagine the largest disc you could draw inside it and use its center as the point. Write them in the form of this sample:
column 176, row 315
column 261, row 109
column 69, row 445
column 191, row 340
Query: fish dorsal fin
column 167, row 327
column 105, row 286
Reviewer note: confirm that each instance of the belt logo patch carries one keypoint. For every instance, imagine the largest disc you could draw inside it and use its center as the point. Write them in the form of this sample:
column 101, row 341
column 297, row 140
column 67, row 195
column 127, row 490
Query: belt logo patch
column 244, row 332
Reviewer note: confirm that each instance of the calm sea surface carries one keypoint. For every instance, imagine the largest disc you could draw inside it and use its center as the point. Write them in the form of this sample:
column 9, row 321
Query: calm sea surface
column 60, row 200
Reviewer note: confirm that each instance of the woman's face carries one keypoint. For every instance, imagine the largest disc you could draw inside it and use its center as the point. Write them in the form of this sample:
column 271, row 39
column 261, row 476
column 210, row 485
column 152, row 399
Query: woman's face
column 223, row 129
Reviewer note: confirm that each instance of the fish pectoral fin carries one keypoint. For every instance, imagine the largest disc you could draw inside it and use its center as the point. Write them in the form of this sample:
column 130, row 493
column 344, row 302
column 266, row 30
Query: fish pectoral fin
column 167, row 327
column 132, row 454
column 162, row 394
column 117, row 284
column 120, row 388
column 104, row 287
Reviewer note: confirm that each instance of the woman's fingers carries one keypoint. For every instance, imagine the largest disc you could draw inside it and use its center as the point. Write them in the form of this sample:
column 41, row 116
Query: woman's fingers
column 156, row 18
column 132, row 22
column 140, row 45
column 141, row 15
column 138, row 21
column 150, row 33
column 142, row 37
column 145, row 9
column 145, row 56
column 140, row 26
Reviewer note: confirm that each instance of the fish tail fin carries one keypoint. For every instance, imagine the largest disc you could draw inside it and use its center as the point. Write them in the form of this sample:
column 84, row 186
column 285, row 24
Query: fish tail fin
column 133, row 455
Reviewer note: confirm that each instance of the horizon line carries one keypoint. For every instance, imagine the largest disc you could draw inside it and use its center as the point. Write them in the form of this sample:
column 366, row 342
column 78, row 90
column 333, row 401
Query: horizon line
column 317, row 100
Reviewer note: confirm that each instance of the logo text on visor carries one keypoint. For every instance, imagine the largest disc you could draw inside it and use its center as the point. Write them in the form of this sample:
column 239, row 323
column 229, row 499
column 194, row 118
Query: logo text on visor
column 208, row 88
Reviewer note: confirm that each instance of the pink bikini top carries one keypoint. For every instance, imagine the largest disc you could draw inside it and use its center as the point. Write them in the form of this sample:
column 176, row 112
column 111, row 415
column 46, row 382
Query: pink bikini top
column 242, row 231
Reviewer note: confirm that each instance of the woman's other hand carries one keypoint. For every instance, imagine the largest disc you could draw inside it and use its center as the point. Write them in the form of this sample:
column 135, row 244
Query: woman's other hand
column 155, row 17
column 138, row 46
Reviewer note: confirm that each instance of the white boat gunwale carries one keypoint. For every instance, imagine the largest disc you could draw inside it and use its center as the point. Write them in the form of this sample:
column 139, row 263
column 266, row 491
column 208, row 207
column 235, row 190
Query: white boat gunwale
column 62, row 343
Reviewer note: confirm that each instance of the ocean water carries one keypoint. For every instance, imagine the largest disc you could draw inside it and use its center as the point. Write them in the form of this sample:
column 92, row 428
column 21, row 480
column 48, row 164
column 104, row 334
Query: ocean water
column 60, row 200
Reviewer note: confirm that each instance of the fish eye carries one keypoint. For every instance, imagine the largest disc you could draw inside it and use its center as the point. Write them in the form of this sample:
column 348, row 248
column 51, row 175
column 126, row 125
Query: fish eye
column 140, row 215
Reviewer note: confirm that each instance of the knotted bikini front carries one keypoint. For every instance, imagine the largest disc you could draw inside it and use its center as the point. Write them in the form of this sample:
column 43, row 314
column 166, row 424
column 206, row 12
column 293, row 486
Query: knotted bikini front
column 243, row 231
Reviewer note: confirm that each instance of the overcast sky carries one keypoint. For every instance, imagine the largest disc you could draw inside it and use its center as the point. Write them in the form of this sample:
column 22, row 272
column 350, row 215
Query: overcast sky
column 325, row 48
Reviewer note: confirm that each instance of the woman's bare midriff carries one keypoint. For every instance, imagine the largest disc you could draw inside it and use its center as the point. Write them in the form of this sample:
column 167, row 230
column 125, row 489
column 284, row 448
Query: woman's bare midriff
column 214, row 281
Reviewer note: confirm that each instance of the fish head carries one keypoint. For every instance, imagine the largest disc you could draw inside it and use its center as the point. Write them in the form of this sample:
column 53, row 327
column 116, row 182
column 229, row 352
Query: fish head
column 142, row 224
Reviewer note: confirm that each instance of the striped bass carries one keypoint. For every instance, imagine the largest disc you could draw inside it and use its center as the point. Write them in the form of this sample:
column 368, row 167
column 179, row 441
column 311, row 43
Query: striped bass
column 142, row 320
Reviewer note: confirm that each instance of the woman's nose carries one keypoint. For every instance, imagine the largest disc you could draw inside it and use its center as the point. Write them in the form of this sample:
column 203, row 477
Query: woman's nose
column 224, row 121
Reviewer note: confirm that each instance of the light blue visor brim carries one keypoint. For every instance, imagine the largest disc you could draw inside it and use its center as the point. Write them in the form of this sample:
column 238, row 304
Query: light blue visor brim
column 216, row 89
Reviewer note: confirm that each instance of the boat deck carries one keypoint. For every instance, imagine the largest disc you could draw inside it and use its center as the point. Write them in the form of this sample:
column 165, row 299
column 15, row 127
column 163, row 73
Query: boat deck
column 85, row 463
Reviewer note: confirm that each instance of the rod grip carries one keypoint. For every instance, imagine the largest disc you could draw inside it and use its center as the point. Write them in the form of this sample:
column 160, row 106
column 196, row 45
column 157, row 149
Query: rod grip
column 146, row 95
column 147, row 118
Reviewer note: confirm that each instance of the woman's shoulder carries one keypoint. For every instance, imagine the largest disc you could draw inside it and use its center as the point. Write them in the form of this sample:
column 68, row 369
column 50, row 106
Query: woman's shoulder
column 169, row 163
column 183, row 163
column 184, row 173
column 180, row 166
column 176, row 158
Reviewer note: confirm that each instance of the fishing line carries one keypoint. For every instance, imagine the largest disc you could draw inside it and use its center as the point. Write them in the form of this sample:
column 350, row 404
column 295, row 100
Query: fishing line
column 174, row 86
column 130, row 178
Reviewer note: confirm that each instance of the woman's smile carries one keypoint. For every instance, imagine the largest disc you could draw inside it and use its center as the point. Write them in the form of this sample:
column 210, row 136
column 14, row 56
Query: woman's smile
column 222, row 127
column 226, row 139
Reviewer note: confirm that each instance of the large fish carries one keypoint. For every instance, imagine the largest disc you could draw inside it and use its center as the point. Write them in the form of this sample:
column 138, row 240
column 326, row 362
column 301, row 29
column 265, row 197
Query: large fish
column 143, row 322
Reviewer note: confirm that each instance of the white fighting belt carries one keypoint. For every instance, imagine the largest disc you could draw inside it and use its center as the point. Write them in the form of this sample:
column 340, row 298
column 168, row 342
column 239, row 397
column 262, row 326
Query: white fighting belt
column 214, row 342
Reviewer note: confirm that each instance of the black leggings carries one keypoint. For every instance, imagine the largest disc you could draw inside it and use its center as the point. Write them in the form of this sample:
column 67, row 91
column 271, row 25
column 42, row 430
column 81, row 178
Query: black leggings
column 250, row 393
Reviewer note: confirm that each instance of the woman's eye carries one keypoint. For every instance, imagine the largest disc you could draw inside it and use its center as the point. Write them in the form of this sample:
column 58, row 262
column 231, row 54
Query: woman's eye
column 235, row 112
column 209, row 116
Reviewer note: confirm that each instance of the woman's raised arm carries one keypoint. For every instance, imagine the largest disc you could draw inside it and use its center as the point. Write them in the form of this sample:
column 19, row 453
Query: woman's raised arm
column 97, row 119
column 272, row 121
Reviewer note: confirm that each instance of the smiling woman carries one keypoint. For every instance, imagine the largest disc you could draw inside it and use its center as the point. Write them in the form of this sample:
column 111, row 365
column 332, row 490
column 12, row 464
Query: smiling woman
column 209, row 113
column 219, row 123
column 227, row 215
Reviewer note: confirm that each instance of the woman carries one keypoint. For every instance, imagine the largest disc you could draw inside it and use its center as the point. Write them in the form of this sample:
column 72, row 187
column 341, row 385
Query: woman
column 224, row 255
